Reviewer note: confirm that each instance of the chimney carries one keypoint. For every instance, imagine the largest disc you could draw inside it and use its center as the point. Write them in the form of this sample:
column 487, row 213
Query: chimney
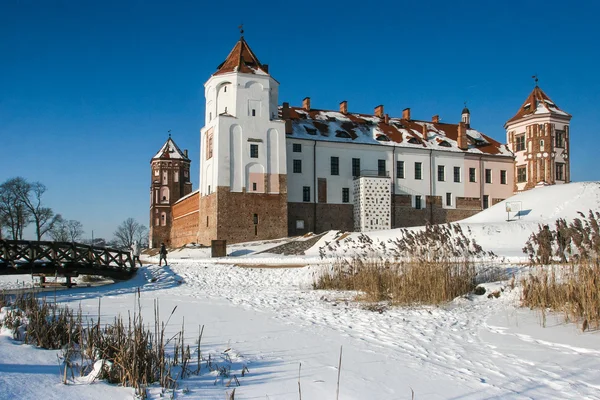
column 185, row 153
column 406, row 114
column 387, row 119
column 344, row 107
column 425, row 130
column 285, row 115
column 463, row 144
column 306, row 103
column 379, row 111
column 435, row 119
column 265, row 68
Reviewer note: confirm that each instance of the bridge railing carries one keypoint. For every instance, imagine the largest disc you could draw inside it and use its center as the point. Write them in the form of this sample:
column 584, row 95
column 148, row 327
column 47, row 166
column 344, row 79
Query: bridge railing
column 65, row 256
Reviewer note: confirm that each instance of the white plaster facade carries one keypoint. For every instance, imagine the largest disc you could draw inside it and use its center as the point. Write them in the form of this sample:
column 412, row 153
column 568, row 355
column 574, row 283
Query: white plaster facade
column 372, row 205
column 241, row 112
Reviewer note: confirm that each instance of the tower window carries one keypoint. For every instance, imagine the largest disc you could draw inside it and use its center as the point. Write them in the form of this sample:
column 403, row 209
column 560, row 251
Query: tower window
column 560, row 139
column 560, row 171
column 520, row 143
column 254, row 186
column 253, row 151
column 254, row 112
column 542, row 144
column 225, row 89
column 521, row 174
column 255, row 218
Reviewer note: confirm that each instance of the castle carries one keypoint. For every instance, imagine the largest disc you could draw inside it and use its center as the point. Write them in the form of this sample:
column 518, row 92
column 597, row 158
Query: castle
column 269, row 171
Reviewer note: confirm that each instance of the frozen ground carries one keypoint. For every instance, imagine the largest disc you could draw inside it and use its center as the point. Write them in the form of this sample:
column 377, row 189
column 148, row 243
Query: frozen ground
column 471, row 348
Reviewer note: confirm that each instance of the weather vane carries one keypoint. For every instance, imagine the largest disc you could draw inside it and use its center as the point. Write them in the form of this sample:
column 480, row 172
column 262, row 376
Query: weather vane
column 241, row 28
column 535, row 77
column 169, row 133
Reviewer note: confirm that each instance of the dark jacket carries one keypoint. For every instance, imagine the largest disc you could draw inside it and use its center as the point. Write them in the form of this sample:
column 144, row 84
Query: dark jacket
column 163, row 250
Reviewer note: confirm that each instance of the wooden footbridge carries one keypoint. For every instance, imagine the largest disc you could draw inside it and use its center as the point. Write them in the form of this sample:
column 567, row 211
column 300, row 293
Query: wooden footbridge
column 63, row 259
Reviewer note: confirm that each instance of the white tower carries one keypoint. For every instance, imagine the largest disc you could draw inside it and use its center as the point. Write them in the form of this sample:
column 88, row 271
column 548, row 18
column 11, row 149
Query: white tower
column 243, row 151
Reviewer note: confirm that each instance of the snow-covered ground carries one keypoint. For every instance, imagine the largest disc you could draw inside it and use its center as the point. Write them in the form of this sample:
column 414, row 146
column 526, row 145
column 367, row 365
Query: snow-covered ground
column 472, row 348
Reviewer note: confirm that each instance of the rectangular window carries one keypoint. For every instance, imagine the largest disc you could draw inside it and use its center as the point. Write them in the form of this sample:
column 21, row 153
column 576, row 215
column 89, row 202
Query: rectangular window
column 441, row 173
column 254, row 112
column 560, row 171
column 356, row 167
column 345, row 195
column 488, row 175
column 255, row 218
column 520, row 143
column 209, row 146
column 297, row 148
column 418, row 171
column 503, row 177
column 418, row 202
column 521, row 174
column 400, row 169
column 253, row 151
column 560, row 139
column 448, row 199
column 306, row 193
column 381, row 168
column 335, row 165
column 486, row 201
column 456, row 174
column 254, row 186
column 472, row 175
column 297, row 166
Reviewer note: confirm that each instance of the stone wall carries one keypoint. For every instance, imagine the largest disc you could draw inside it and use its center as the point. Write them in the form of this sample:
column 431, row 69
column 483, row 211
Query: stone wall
column 328, row 216
column 237, row 210
column 207, row 218
column 405, row 215
column 185, row 221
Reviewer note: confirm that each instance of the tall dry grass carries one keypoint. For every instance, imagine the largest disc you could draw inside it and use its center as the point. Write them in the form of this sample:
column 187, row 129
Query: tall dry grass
column 431, row 266
column 572, row 285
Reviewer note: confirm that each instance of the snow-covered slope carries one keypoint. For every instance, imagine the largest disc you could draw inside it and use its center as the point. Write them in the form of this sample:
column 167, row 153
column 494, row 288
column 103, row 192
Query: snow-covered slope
column 539, row 206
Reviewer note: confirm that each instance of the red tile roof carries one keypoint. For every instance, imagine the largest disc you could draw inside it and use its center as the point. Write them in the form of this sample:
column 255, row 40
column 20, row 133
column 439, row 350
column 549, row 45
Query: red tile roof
column 241, row 59
column 368, row 129
column 538, row 103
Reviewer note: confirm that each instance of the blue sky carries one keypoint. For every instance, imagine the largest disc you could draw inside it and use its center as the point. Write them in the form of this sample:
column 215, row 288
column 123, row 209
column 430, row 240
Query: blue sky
column 88, row 90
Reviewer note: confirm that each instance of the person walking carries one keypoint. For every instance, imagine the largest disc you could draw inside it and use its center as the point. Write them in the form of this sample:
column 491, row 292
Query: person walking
column 135, row 252
column 163, row 254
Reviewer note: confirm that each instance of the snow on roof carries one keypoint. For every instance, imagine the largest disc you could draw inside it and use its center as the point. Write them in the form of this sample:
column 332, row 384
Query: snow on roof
column 333, row 126
column 170, row 151
column 187, row 196
column 242, row 59
column 543, row 105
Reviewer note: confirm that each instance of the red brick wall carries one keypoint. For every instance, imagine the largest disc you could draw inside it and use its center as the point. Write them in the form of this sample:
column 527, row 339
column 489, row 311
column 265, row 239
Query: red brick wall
column 207, row 221
column 185, row 221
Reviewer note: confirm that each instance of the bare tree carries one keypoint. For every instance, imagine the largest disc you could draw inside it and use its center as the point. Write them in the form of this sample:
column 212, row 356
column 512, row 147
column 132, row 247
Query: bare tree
column 127, row 232
column 60, row 231
column 30, row 194
column 75, row 229
column 13, row 212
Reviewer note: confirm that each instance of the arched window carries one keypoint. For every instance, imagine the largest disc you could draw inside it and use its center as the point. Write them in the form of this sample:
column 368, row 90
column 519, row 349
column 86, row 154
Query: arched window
column 164, row 194
column 163, row 218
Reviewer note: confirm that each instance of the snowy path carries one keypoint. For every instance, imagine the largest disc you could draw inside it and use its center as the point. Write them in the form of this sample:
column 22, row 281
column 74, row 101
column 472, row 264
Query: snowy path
column 454, row 343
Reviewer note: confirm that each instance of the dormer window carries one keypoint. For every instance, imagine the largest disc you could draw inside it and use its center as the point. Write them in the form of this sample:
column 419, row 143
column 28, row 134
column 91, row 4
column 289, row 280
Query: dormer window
column 310, row 131
column 342, row 134
column 445, row 144
column 414, row 141
column 382, row 138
